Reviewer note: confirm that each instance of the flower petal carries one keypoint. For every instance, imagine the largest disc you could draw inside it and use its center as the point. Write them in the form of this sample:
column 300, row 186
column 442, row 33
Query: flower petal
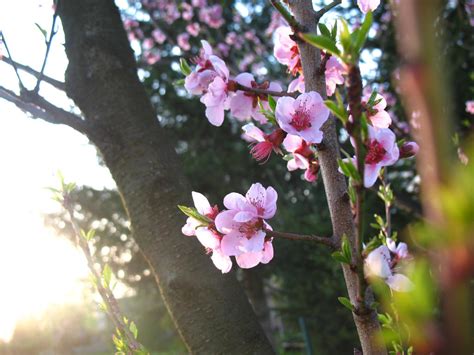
column 201, row 203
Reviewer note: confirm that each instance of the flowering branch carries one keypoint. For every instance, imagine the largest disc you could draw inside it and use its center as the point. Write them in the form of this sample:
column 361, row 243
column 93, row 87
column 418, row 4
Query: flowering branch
column 263, row 91
column 113, row 309
column 328, row 241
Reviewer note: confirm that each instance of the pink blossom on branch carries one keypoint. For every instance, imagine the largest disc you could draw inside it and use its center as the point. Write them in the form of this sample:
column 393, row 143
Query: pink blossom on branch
column 208, row 236
column 286, row 50
column 379, row 118
column 334, row 75
column 302, row 116
column 263, row 144
column 368, row 5
column 303, row 157
column 244, row 105
column 382, row 263
column 470, row 107
column 216, row 100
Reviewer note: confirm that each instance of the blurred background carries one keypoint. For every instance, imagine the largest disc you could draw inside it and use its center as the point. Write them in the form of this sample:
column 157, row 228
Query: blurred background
column 47, row 302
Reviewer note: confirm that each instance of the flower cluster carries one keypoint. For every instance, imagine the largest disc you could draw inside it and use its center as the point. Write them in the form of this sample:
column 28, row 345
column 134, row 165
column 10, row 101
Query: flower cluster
column 239, row 230
column 384, row 261
column 298, row 119
column 381, row 145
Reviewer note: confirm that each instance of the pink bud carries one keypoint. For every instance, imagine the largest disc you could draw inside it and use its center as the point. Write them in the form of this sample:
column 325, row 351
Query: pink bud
column 409, row 149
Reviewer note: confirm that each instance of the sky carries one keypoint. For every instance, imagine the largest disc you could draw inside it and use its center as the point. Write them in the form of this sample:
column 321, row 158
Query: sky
column 34, row 260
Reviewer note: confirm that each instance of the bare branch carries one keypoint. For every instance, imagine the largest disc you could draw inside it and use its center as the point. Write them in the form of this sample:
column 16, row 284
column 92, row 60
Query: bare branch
column 295, row 26
column 38, row 107
column 4, row 40
column 56, row 83
column 328, row 241
column 48, row 47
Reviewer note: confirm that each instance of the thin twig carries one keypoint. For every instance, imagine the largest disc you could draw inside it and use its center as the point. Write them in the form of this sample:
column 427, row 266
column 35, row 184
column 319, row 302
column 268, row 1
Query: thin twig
column 326, row 9
column 56, row 83
column 13, row 64
column 263, row 91
column 107, row 296
column 38, row 107
column 328, row 241
column 48, row 47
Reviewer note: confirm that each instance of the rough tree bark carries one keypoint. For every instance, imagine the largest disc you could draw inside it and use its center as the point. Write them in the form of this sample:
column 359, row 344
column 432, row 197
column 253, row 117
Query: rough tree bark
column 209, row 309
column 334, row 182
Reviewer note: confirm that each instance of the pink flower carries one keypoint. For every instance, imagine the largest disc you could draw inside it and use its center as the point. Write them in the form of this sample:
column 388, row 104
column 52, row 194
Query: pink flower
column 333, row 73
column 208, row 236
column 244, row 105
column 297, row 84
column 303, row 157
column 377, row 115
column 286, row 50
column 243, row 225
column 368, row 5
column 212, row 16
column 151, row 57
column 193, row 29
column 158, row 36
column 381, row 263
column 187, row 11
column 263, row 144
column 216, row 100
column 409, row 149
column 302, row 117
column 382, row 150
column 208, row 66
column 183, row 41
column 470, row 107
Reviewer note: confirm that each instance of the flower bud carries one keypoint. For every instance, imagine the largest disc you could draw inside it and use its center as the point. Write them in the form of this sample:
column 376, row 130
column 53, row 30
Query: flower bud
column 409, row 149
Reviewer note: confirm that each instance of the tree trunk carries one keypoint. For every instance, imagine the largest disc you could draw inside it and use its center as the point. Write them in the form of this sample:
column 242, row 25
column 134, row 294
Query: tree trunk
column 334, row 182
column 209, row 309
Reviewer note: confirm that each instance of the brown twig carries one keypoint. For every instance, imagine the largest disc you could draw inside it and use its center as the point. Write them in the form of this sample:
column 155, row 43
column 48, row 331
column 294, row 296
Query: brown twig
column 326, row 9
column 328, row 241
column 295, row 26
column 56, row 83
column 38, row 107
column 259, row 91
column 3, row 39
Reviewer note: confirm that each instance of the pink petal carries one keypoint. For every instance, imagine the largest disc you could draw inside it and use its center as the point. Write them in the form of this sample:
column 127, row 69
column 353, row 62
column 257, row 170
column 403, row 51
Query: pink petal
column 292, row 142
column 399, row 283
column 267, row 254
column 245, row 79
column 215, row 115
column 234, row 201
column 371, row 173
column 253, row 132
column 244, row 216
column 254, row 243
column 189, row 228
column 381, row 119
column 219, row 66
column 241, row 106
column 248, row 260
column 270, row 203
column 225, row 222
column 231, row 244
column 284, row 110
column 201, row 203
column 207, row 238
column 377, row 263
column 221, row 261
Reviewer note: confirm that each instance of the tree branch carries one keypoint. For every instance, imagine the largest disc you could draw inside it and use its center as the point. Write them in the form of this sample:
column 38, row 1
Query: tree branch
column 328, row 241
column 56, row 83
column 3, row 39
column 37, row 106
column 295, row 26
column 326, row 9
column 259, row 91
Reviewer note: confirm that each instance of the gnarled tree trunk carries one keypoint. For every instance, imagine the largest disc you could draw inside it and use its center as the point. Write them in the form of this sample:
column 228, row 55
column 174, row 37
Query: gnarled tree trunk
column 210, row 310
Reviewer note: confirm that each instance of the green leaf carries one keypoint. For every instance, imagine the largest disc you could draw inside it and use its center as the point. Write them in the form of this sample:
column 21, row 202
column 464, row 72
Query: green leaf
column 87, row 235
column 106, row 275
column 185, row 69
column 336, row 110
column 362, row 33
column 322, row 42
column 43, row 31
column 334, row 31
column 288, row 157
column 338, row 256
column 346, row 248
column 324, row 30
column 179, row 82
column 134, row 330
column 269, row 115
column 193, row 213
column 271, row 102
column 343, row 166
column 345, row 37
column 346, row 303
